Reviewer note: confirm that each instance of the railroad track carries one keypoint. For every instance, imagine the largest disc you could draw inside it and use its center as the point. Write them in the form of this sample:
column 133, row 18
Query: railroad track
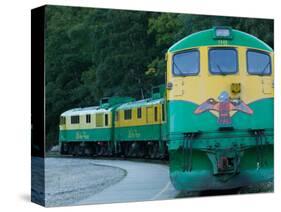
column 134, row 159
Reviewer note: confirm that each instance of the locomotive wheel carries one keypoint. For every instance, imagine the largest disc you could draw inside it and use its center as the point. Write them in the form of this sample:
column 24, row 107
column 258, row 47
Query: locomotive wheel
column 106, row 150
column 149, row 147
column 141, row 147
column 88, row 151
column 146, row 150
column 154, row 151
column 131, row 148
column 123, row 149
column 100, row 149
column 75, row 150
column 94, row 149
column 118, row 151
column 157, row 151
column 127, row 149
column 64, row 149
column 70, row 149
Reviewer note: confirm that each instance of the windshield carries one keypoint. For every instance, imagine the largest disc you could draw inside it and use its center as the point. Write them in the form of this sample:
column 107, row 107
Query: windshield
column 258, row 63
column 223, row 61
column 186, row 63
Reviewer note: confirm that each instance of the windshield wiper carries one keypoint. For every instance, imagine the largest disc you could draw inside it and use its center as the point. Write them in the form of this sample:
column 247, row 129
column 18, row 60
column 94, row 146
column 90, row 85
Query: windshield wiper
column 178, row 68
column 218, row 66
column 263, row 70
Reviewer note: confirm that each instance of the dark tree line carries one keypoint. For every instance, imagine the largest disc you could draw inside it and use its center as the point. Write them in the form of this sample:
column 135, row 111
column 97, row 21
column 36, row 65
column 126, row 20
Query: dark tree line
column 92, row 53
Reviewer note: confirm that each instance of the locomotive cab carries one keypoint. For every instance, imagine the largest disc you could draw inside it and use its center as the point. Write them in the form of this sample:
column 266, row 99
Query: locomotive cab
column 221, row 77
column 220, row 109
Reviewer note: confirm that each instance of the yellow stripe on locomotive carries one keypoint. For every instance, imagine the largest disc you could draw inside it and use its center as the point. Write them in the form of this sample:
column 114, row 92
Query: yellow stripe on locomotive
column 199, row 87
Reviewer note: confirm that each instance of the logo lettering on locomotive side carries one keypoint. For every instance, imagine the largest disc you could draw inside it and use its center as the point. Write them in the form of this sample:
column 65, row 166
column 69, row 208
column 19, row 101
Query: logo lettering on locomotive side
column 81, row 135
column 224, row 106
column 133, row 133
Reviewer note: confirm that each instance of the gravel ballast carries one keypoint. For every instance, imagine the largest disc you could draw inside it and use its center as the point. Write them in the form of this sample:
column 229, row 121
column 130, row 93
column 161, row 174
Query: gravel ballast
column 70, row 180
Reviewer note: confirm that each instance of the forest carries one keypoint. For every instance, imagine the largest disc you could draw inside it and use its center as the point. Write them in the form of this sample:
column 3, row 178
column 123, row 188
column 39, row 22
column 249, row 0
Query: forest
column 94, row 53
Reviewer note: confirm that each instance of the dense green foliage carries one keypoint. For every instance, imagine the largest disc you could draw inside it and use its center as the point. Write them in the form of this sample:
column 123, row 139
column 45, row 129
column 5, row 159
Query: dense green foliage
column 92, row 53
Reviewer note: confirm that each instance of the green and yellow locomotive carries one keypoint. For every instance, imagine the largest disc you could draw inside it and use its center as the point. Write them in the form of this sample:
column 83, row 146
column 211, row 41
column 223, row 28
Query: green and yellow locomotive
column 220, row 110
column 89, row 130
column 214, row 116
column 140, row 127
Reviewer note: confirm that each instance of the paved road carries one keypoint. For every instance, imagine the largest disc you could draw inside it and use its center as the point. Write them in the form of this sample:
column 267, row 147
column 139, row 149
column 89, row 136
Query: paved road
column 144, row 181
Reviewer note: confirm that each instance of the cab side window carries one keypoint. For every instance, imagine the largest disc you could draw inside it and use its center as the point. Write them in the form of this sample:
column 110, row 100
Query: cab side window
column 186, row 63
column 88, row 118
column 127, row 114
column 105, row 119
column 139, row 113
column 74, row 119
column 258, row 63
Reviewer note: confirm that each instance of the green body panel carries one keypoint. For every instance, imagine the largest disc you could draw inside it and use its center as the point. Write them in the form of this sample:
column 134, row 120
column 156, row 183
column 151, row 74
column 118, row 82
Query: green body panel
column 137, row 133
column 182, row 118
column 85, row 135
column 202, row 177
column 206, row 38
column 196, row 168
column 223, row 140
column 153, row 132
column 164, row 131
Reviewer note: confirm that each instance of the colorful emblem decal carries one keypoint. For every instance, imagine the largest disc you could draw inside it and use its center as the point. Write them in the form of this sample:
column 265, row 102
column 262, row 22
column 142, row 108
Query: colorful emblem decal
column 224, row 106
